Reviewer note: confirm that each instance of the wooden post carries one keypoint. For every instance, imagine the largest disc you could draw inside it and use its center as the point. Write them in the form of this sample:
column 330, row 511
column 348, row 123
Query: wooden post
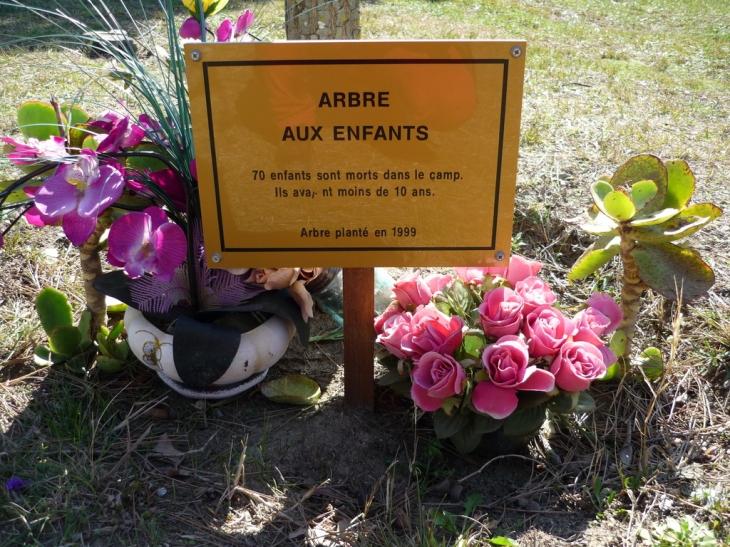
column 358, row 296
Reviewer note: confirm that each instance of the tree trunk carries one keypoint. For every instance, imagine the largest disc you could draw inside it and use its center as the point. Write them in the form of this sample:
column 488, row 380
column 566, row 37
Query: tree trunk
column 91, row 269
column 631, row 288
column 322, row 19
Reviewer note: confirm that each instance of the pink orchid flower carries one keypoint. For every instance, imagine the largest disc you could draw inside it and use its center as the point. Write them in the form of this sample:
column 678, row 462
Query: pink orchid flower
column 507, row 363
column 123, row 134
column 80, row 192
column 244, row 22
column 190, row 29
column 170, row 183
column 28, row 154
column 33, row 215
column 147, row 242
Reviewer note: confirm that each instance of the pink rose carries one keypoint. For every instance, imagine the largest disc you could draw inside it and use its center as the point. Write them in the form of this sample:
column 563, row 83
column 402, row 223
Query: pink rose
column 437, row 282
column 394, row 330
column 591, row 324
column 608, row 307
column 546, row 329
column 431, row 331
column 471, row 275
column 501, row 312
column 506, row 362
column 535, row 292
column 577, row 365
column 382, row 320
column 435, row 378
column 412, row 289
column 519, row 268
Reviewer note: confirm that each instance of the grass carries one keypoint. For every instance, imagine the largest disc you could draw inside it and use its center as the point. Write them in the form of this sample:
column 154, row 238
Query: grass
column 118, row 459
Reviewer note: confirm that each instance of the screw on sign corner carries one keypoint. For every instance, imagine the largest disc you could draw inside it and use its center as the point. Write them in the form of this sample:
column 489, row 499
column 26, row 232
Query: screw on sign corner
column 499, row 256
column 216, row 257
column 516, row 51
column 195, row 55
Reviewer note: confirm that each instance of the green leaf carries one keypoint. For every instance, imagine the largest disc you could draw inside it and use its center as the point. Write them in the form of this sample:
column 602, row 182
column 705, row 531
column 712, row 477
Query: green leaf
column 65, row 339
column 644, row 167
column 564, row 402
column 600, row 189
column 468, row 437
column 523, row 423
column 672, row 230
column 84, row 327
column 147, row 163
column 585, row 404
column 619, row 206
column 667, row 269
column 642, row 192
column 651, row 361
column 680, row 184
column 501, row 540
column 108, row 364
column 471, row 345
column 38, row 120
column 16, row 196
column 657, row 217
column 53, row 309
column 390, row 377
column 614, row 371
column 600, row 224
column 460, row 298
column 618, row 343
column 446, row 426
column 78, row 134
column 293, row 389
column 43, row 357
column 74, row 115
column 78, row 364
column 116, row 331
column 599, row 253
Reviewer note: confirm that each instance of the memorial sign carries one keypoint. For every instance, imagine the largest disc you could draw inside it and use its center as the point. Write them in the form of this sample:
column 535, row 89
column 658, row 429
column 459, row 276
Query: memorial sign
column 356, row 154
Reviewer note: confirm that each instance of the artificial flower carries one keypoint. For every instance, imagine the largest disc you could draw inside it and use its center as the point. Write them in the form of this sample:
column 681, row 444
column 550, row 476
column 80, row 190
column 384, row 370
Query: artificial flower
column 435, row 378
column 80, row 192
column 501, row 312
column 34, row 150
column 147, row 242
column 576, row 365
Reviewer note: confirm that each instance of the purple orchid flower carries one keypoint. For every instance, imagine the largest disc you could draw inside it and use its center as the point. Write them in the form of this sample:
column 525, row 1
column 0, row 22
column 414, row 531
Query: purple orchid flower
column 170, row 183
column 147, row 242
column 33, row 215
column 80, row 192
column 28, row 154
column 244, row 22
column 123, row 134
column 190, row 29
column 225, row 31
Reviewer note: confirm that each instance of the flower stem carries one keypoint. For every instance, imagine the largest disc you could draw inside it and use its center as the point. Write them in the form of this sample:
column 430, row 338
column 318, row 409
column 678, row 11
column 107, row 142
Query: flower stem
column 91, row 269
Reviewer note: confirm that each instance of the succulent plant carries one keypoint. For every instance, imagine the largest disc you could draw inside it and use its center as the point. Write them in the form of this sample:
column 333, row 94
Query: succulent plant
column 72, row 345
column 639, row 214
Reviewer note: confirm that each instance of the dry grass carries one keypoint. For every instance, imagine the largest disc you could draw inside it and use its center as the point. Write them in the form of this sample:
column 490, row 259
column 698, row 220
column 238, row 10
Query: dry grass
column 604, row 80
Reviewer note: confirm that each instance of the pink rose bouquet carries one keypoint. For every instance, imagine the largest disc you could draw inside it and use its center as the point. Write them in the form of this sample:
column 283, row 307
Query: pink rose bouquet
column 490, row 348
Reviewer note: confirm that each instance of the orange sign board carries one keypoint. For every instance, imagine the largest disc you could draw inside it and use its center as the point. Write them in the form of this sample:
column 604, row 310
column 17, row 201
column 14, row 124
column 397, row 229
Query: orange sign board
column 356, row 154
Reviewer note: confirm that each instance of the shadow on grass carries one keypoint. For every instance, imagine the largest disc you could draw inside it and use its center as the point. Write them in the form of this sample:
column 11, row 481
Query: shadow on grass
column 119, row 459
column 39, row 31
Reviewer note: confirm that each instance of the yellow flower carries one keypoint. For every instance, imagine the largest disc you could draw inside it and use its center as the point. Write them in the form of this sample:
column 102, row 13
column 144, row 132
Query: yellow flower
column 209, row 6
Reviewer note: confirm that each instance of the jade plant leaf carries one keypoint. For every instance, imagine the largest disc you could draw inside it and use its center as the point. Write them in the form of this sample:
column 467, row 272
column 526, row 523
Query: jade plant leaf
column 642, row 192
column 600, row 224
column 644, row 167
column 599, row 190
column 678, row 227
column 74, row 115
column 619, row 206
column 599, row 253
column 43, row 357
column 657, row 217
column 38, row 120
column 53, row 309
column 667, row 269
column 108, row 364
column 293, row 389
column 78, row 134
column 651, row 361
column 65, row 339
column 680, row 184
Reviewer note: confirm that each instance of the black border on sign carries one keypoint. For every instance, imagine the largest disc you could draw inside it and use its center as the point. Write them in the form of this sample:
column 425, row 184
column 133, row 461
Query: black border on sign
column 209, row 107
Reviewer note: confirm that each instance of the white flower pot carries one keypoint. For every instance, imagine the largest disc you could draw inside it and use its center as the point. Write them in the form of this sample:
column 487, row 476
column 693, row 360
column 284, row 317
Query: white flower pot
column 258, row 350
